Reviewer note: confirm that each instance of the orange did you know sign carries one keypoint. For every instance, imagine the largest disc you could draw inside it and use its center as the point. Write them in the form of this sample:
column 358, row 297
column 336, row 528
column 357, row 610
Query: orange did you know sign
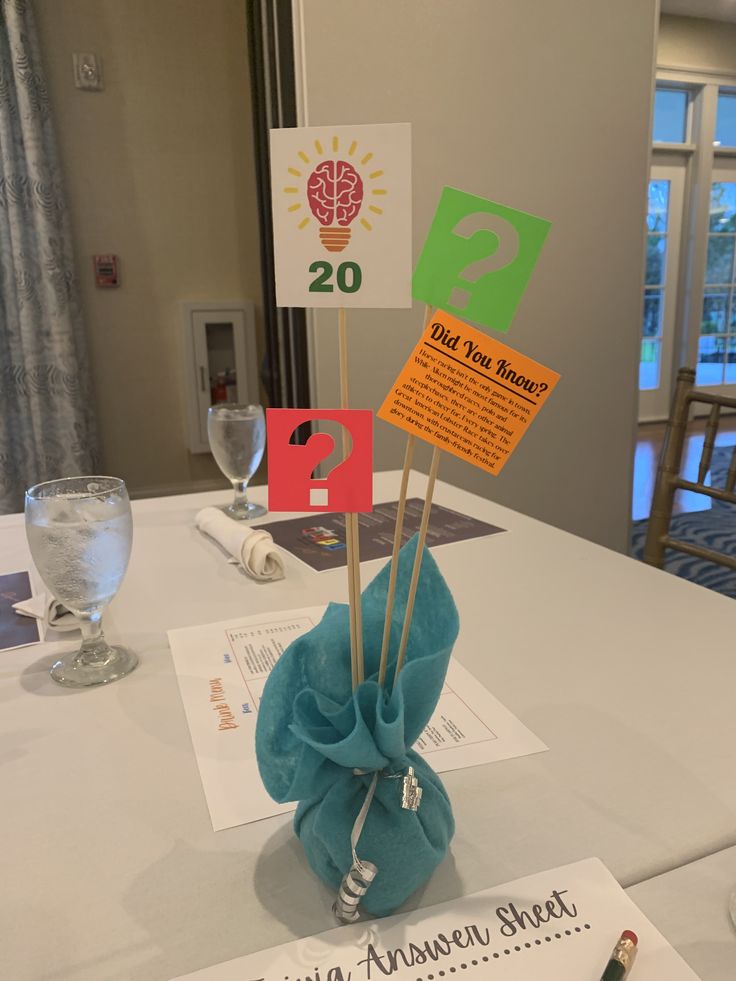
column 467, row 393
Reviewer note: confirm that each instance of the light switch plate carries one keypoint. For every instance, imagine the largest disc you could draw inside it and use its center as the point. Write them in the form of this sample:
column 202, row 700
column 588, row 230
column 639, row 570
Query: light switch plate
column 88, row 72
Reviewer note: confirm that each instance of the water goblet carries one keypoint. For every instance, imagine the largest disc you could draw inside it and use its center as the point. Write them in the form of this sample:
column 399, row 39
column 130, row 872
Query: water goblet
column 237, row 435
column 80, row 532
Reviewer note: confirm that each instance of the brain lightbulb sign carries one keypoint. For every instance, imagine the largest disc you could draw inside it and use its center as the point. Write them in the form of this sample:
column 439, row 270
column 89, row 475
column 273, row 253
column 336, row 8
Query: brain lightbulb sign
column 335, row 195
column 341, row 199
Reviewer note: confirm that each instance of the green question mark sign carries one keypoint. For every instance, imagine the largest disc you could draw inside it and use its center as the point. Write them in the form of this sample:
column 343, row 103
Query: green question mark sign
column 477, row 259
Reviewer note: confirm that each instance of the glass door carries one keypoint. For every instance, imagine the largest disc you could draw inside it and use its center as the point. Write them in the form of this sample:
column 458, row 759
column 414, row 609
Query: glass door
column 716, row 352
column 663, row 232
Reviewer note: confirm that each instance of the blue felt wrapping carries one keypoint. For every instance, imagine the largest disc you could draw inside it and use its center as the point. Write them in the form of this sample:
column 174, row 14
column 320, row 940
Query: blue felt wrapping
column 313, row 731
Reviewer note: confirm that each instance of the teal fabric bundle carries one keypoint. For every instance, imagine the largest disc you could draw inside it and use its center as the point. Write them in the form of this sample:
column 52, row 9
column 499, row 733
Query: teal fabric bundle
column 313, row 732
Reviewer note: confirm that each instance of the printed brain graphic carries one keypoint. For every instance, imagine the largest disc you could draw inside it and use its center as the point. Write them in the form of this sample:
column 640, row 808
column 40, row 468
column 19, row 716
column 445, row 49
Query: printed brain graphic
column 335, row 192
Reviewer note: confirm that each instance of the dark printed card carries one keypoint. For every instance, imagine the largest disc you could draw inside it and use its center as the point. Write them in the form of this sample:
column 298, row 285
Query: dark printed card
column 319, row 540
column 15, row 630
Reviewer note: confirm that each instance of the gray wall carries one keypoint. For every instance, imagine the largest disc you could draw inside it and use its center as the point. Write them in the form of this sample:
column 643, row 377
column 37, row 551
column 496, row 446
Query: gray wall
column 545, row 107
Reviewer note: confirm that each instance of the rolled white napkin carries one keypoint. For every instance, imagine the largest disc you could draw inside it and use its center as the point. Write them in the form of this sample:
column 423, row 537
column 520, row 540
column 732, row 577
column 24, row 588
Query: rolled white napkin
column 253, row 548
column 49, row 609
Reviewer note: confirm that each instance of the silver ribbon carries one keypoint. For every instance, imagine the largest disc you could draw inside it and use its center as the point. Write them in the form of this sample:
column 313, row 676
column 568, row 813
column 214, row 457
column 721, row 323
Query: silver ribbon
column 357, row 880
column 360, row 875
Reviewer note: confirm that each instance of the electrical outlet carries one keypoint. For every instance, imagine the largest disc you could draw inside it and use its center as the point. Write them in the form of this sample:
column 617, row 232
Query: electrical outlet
column 88, row 72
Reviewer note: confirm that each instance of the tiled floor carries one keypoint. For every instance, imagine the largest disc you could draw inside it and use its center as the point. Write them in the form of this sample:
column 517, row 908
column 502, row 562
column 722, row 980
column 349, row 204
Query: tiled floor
column 646, row 457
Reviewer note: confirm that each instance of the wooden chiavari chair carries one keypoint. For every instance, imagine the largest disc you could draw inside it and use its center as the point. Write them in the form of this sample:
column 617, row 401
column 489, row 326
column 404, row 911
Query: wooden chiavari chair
column 669, row 478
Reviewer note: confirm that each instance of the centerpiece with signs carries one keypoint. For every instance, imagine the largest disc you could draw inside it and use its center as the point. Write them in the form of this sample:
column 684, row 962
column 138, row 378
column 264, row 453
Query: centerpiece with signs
column 346, row 702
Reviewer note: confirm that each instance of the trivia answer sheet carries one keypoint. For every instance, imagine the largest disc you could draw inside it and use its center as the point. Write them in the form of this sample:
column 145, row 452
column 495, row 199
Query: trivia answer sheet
column 222, row 668
column 558, row 925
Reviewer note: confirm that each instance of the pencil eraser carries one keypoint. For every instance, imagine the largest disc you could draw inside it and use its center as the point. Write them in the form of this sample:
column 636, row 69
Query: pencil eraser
column 630, row 935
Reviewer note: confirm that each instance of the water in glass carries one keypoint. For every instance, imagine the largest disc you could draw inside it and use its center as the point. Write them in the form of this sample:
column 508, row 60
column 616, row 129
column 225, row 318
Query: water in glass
column 237, row 435
column 83, row 547
column 80, row 532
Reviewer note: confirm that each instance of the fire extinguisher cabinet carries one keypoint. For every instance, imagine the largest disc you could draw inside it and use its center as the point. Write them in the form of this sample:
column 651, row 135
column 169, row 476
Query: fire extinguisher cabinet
column 220, row 361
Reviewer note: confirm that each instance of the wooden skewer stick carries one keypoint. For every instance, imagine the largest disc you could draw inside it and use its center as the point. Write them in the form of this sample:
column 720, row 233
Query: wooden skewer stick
column 360, row 663
column 391, row 594
column 417, row 562
column 343, row 352
column 356, row 629
column 398, row 531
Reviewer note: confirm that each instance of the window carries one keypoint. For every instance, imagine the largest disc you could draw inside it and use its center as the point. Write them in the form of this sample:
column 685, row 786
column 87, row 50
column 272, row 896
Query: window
column 651, row 341
column 663, row 224
column 726, row 119
column 689, row 301
column 716, row 363
column 670, row 115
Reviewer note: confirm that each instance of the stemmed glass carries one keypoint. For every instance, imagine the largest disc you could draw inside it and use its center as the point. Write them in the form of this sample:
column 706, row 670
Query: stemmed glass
column 80, row 533
column 237, row 435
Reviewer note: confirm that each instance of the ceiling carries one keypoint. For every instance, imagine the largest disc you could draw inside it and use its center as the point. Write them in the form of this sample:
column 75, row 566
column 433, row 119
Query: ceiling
column 710, row 9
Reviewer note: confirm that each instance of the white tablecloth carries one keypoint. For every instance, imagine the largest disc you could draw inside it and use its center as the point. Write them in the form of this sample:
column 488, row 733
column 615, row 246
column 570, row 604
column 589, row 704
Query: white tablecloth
column 111, row 869
column 689, row 906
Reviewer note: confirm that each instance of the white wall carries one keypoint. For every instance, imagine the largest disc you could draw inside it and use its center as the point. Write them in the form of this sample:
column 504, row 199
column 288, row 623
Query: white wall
column 544, row 107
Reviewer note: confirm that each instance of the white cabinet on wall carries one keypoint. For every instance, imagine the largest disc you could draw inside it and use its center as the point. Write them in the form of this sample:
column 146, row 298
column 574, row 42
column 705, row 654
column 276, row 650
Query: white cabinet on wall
column 220, row 362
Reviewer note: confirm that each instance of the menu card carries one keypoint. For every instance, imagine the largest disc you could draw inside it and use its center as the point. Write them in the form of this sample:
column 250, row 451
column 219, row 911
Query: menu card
column 319, row 540
column 222, row 669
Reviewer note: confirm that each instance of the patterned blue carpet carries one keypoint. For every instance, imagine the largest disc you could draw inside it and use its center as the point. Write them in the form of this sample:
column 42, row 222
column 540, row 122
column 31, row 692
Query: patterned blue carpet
column 714, row 528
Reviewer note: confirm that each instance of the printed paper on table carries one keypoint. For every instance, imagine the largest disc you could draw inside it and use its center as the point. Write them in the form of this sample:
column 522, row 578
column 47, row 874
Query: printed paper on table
column 467, row 393
column 222, row 669
column 322, row 546
column 559, row 925
column 17, row 630
column 341, row 201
